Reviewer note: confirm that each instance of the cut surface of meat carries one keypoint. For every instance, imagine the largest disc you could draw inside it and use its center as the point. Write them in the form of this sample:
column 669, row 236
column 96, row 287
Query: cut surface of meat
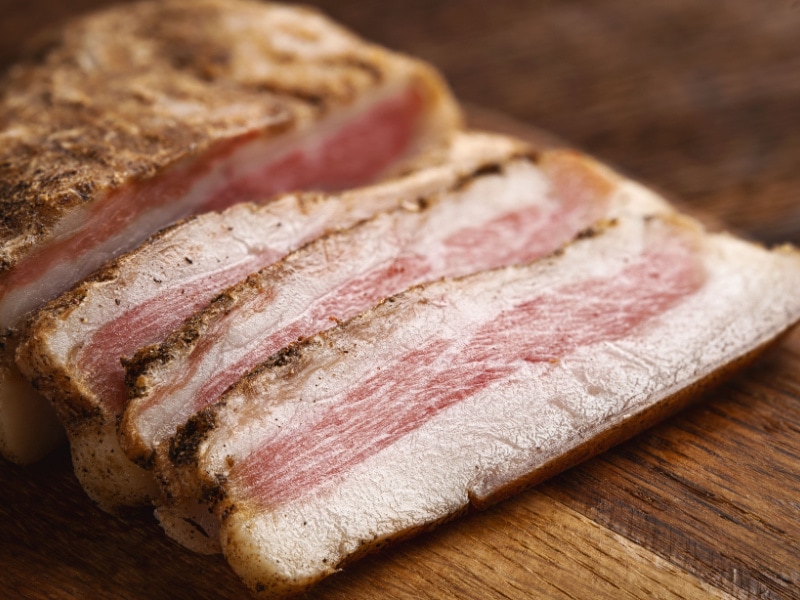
column 310, row 452
column 523, row 211
column 220, row 102
column 457, row 393
column 72, row 348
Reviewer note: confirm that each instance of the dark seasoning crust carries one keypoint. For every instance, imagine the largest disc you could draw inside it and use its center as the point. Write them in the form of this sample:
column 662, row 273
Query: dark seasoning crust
column 103, row 131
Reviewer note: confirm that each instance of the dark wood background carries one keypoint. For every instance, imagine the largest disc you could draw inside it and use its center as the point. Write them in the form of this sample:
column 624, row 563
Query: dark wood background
column 700, row 99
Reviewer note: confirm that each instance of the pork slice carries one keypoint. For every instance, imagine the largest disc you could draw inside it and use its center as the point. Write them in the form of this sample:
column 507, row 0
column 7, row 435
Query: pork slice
column 72, row 348
column 512, row 213
column 458, row 393
column 135, row 117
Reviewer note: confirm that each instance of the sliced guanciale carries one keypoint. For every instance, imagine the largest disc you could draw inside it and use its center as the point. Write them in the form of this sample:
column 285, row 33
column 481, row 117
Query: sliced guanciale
column 132, row 118
column 72, row 347
column 517, row 210
column 457, row 393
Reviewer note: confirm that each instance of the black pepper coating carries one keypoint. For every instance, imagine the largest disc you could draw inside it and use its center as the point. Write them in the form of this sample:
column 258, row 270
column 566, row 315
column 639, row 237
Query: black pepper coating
column 183, row 447
column 118, row 95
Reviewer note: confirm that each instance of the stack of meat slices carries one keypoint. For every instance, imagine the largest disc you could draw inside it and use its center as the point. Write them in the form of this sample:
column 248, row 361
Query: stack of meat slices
column 132, row 118
column 485, row 316
column 493, row 375
column 73, row 346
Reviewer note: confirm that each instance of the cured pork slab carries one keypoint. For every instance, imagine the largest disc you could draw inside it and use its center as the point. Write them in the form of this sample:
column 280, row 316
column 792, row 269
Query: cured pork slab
column 458, row 393
column 72, row 348
column 135, row 117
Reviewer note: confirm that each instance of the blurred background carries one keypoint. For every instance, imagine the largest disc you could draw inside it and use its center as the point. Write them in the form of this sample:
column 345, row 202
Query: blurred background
column 700, row 99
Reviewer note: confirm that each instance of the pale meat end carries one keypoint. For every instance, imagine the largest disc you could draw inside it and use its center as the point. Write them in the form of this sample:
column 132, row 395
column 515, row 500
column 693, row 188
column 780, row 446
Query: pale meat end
column 72, row 348
column 548, row 359
column 103, row 470
column 217, row 103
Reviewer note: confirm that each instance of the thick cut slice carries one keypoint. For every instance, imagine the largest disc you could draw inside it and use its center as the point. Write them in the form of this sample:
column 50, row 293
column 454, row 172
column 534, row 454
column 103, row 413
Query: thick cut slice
column 132, row 118
column 72, row 348
column 460, row 392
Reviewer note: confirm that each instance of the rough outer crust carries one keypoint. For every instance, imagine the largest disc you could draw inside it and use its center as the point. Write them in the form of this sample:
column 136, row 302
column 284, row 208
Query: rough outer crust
column 121, row 94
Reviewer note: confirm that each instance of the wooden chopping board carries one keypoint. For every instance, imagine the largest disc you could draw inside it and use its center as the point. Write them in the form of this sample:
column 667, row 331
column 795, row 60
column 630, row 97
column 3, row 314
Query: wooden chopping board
column 707, row 504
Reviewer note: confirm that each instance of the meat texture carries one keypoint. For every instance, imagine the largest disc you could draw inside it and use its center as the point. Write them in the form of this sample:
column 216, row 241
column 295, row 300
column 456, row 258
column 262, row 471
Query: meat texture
column 72, row 348
column 514, row 212
column 457, row 393
column 132, row 118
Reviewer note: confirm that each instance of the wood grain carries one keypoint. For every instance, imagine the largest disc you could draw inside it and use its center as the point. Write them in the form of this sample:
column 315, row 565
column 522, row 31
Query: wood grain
column 717, row 490
column 530, row 547
column 700, row 99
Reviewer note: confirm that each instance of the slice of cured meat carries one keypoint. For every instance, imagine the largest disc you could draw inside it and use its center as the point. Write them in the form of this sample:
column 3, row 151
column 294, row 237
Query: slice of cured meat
column 515, row 212
column 455, row 394
column 72, row 348
column 135, row 117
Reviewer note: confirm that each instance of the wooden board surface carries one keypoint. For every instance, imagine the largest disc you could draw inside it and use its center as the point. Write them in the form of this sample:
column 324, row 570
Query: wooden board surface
column 701, row 99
